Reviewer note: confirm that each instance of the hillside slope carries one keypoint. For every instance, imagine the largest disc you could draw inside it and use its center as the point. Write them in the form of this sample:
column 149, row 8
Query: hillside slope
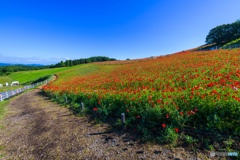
column 163, row 97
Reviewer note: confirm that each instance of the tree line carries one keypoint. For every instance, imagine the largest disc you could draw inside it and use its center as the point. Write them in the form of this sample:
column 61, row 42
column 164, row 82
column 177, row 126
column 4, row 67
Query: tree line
column 6, row 70
column 224, row 33
column 68, row 63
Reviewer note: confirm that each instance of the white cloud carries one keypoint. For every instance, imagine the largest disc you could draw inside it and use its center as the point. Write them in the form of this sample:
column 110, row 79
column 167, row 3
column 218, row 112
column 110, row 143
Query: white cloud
column 31, row 60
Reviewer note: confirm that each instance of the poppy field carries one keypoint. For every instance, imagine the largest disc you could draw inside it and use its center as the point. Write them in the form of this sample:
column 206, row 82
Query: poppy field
column 161, row 97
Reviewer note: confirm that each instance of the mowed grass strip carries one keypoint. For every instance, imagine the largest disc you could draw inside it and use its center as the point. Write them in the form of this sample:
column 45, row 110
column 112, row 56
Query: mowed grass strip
column 25, row 76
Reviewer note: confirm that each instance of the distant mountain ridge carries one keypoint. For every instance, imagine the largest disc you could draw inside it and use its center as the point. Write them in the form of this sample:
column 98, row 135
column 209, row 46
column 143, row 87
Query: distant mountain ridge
column 10, row 64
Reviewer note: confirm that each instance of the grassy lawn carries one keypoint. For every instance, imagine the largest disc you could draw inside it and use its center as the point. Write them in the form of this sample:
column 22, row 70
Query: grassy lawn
column 80, row 70
column 25, row 76
column 5, row 79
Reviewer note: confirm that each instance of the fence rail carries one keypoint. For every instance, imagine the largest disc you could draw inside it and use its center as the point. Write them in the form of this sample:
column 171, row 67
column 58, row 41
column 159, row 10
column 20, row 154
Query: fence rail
column 12, row 93
column 124, row 117
column 224, row 47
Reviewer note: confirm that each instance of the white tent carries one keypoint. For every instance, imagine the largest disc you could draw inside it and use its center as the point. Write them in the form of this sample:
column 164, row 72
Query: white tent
column 15, row 83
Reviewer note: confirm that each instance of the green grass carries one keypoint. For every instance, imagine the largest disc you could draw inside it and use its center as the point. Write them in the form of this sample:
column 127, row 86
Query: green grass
column 5, row 79
column 80, row 70
column 30, row 76
column 25, row 76
column 8, row 88
column 3, row 105
column 237, row 41
column 2, row 114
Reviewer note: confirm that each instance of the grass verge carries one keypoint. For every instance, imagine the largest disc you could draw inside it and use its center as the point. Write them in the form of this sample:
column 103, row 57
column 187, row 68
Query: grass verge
column 2, row 115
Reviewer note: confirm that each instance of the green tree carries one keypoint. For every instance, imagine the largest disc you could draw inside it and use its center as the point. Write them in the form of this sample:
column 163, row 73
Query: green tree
column 70, row 63
column 224, row 33
column 88, row 60
column 62, row 64
column 67, row 64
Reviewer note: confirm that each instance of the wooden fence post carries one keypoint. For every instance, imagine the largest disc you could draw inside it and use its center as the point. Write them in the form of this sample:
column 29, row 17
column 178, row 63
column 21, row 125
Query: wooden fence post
column 123, row 121
column 66, row 100
column 82, row 106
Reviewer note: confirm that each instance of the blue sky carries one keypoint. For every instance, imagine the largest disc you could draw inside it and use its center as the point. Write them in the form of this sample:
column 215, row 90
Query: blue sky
column 45, row 32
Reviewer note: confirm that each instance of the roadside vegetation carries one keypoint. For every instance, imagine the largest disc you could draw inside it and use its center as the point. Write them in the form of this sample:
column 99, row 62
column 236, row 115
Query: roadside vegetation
column 2, row 114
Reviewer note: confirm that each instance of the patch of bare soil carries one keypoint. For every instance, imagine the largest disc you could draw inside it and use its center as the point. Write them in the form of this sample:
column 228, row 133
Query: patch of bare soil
column 37, row 128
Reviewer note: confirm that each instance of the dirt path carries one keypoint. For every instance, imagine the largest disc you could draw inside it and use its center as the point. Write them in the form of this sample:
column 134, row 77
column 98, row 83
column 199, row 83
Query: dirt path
column 37, row 128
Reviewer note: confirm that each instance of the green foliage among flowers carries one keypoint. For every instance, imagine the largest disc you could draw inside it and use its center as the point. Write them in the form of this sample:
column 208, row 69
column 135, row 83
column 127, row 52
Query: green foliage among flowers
column 162, row 96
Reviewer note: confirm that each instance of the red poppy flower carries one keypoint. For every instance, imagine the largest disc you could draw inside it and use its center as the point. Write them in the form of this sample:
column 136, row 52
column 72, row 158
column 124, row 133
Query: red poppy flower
column 181, row 113
column 127, row 110
column 176, row 129
column 164, row 125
